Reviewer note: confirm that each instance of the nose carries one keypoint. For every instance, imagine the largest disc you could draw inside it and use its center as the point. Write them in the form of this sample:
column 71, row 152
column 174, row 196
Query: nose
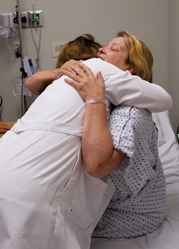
column 102, row 50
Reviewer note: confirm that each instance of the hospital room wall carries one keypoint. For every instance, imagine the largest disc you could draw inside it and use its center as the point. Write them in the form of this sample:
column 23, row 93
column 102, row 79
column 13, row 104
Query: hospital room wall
column 65, row 20
column 173, row 48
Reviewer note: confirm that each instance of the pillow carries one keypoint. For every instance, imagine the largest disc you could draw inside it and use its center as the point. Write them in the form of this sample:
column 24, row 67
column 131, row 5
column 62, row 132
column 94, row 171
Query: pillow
column 156, row 119
column 168, row 147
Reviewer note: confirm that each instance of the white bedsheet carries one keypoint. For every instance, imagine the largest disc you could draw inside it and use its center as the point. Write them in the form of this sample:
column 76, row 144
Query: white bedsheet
column 167, row 235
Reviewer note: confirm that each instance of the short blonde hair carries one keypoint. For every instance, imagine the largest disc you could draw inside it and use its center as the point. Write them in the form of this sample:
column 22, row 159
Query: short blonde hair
column 140, row 57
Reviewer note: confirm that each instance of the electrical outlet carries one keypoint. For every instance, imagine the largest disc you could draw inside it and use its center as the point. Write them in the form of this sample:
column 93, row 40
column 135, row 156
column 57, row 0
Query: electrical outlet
column 24, row 20
column 56, row 47
column 36, row 18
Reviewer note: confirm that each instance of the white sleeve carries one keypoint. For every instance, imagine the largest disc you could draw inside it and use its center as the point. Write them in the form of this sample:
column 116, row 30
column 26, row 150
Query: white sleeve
column 140, row 94
column 122, row 87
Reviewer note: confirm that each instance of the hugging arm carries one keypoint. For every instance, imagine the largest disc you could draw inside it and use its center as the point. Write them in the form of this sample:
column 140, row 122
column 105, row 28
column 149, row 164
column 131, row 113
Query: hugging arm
column 120, row 87
column 99, row 157
column 5, row 126
column 146, row 95
column 40, row 80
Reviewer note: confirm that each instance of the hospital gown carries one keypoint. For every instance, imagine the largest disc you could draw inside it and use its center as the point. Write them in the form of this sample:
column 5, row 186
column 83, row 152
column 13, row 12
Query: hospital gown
column 47, row 200
column 139, row 201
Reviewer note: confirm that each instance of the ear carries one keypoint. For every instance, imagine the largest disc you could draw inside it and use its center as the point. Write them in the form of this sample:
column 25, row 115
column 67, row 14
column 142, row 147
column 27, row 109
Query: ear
column 130, row 69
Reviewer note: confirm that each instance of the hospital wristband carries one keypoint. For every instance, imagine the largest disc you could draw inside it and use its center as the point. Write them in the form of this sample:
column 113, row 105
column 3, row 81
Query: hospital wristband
column 93, row 101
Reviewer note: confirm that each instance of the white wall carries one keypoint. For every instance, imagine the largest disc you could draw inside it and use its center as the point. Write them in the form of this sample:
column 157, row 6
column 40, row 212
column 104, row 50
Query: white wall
column 65, row 20
column 173, row 83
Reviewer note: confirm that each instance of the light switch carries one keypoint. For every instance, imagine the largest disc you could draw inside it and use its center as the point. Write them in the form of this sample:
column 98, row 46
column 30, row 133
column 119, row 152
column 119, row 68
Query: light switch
column 56, row 47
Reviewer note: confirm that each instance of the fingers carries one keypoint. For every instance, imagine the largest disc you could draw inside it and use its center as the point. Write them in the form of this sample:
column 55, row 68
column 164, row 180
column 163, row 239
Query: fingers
column 100, row 79
column 67, row 66
column 85, row 69
column 81, row 69
column 99, row 76
column 74, row 76
column 100, row 83
column 87, row 86
column 76, row 67
column 78, row 70
column 72, row 83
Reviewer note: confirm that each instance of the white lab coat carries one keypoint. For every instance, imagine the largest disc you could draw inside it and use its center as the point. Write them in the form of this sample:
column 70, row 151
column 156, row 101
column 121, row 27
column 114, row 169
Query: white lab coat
column 47, row 201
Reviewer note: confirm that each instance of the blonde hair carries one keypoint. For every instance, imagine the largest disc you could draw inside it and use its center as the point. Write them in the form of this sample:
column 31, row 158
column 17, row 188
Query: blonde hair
column 140, row 57
column 82, row 48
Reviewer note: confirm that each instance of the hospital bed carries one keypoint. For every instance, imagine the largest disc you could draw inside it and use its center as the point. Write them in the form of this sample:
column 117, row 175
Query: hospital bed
column 167, row 235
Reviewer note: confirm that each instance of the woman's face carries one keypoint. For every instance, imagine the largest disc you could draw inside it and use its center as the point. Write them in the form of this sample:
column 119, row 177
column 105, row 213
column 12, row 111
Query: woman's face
column 115, row 53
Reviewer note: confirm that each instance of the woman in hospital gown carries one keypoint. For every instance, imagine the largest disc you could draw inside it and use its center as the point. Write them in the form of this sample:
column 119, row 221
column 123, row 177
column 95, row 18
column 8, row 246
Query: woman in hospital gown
column 138, row 204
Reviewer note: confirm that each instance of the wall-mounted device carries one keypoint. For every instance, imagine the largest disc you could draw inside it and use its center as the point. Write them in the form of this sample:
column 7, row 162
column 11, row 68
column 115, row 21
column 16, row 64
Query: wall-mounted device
column 28, row 19
column 36, row 18
column 29, row 65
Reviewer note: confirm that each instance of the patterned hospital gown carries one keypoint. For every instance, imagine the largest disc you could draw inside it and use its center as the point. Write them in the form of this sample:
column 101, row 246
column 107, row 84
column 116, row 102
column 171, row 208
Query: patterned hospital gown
column 139, row 202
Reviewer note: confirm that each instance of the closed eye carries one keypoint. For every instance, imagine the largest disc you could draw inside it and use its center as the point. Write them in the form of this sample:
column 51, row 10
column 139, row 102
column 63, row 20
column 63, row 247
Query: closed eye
column 115, row 49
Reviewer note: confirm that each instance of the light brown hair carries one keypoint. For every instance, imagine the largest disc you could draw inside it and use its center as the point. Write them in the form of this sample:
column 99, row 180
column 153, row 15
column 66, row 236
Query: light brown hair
column 82, row 48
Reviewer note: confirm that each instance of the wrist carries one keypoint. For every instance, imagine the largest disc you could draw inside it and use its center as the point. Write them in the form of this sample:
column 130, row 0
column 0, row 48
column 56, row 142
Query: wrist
column 57, row 73
column 94, row 95
column 95, row 101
